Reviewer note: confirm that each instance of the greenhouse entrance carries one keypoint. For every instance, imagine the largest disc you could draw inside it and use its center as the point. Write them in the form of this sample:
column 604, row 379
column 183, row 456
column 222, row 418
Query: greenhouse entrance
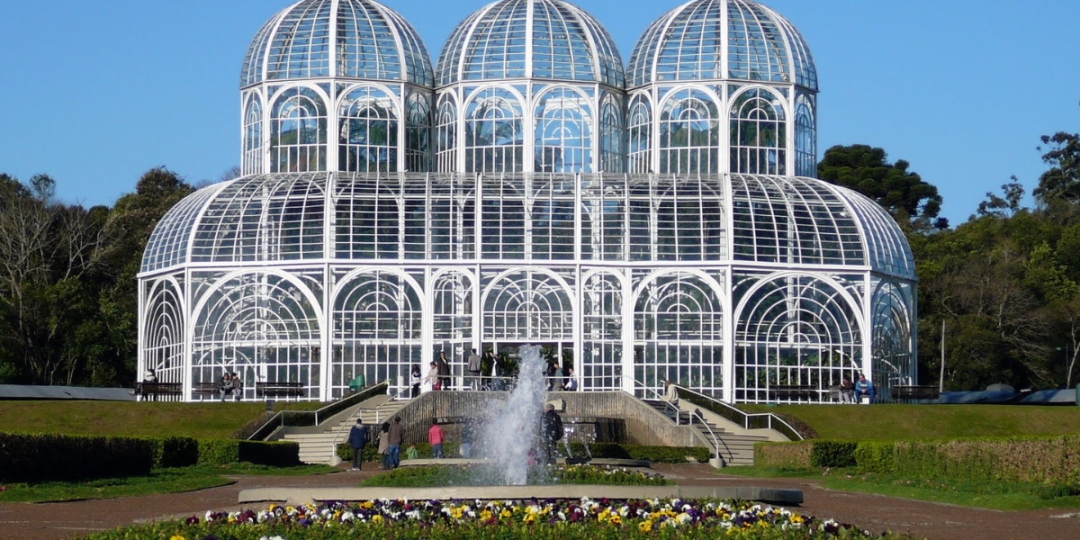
column 561, row 353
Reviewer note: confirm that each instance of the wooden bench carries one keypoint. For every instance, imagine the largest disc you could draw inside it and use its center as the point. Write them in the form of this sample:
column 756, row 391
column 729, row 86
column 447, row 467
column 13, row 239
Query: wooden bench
column 279, row 389
column 206, row 389
column 151, row 390
column 916, row 392
column 793, row 391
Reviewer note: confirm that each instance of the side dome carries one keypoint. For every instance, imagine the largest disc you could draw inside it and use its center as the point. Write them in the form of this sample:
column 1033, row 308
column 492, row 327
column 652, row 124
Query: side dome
column 352, row 39
column 722, row 39
column 521, row 39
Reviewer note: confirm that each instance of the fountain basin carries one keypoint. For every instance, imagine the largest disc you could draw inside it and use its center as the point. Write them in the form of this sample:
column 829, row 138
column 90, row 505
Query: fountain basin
column 308, row 495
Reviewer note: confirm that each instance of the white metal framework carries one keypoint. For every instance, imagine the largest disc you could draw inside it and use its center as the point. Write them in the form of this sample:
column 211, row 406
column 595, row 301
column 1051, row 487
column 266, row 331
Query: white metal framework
column 337, row 255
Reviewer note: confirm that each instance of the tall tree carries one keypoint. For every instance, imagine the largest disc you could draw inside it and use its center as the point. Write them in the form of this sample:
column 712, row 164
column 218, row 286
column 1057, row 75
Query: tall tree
column 866, row 169
column 1062, row 181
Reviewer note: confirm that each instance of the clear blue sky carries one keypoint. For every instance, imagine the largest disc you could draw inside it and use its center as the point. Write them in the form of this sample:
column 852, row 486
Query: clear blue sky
column 95, row 92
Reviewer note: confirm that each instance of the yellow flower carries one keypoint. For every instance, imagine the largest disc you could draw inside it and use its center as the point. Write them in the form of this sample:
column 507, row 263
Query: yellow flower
column 529, row 518
column 615, row 519
column 485, row 515
column 504, row 514
column 645, row 526
column 796, row 518
column 176, row 537
column 367, row 505
column 376, row 519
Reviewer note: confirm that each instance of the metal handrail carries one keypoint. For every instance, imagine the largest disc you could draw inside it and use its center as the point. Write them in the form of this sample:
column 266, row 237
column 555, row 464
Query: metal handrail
column 748, row 421
column 716, row 440
column 282, row 418
column 358, row 411
column 660, row 397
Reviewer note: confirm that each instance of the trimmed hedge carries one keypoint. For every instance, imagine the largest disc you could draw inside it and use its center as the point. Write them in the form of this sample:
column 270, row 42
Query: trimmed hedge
column 226, row 451
column 174, row 451
column 34, row 458
column 655, row 454
column 1051, row 460
column 41, row 458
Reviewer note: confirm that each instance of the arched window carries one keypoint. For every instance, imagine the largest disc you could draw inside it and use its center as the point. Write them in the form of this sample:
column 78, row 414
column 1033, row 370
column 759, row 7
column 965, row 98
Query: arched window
column 369, row 131
column 494, row 141
column 689, row 139
column 640, row 124
column 805, row 138
column 563, row 132
column 611, row 135
column 758, row 134
column 418, row 132
column 446, row 132
column 298, row 137
column 253, row 163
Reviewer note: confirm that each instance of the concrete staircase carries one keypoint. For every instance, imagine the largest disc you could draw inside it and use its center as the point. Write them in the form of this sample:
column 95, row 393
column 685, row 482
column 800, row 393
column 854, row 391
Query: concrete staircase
column 732, row 447
column 318, row 445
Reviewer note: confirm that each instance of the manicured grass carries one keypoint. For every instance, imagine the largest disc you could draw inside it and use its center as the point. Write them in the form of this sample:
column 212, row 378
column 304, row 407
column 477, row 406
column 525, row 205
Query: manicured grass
column 982, row 494
column 891, row 422
column 135, row 419
column 176, row 480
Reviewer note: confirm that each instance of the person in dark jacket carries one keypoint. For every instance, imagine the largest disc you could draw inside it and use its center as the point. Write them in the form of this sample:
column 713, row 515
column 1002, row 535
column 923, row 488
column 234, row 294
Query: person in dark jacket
column 394, row 439
column 358, row 437
column 551, row 432
column 444, row 371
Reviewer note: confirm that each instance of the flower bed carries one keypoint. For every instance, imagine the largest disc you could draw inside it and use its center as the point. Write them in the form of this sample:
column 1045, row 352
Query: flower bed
column 480, row 475
column 583, row 519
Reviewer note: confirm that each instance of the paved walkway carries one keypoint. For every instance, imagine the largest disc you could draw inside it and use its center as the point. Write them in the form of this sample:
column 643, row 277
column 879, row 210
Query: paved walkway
column 62, row 521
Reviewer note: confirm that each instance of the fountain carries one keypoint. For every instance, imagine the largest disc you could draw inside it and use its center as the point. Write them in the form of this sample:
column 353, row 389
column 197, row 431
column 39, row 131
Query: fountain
column 511, row 427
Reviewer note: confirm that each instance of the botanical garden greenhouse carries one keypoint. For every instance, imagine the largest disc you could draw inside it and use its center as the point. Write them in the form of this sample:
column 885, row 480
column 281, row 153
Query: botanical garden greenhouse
column 648, row 221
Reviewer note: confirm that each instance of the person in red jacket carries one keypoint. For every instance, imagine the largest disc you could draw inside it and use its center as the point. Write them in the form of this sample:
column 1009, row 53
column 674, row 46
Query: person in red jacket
column 435, row 437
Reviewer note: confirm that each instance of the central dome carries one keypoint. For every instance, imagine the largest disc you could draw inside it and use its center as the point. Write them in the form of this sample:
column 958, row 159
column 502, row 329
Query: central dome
column 542, row 39
column 354, row 39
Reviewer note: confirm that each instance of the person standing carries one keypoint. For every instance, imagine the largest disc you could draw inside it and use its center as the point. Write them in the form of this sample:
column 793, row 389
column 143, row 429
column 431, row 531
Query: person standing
column 474, row 370
column 435, row 437
column 415, row 380
column 570, row 383
column 384, row 445
column 444, row 371
column 358, row 437
column 671, row 395
column 432, row 377
column 394, row 440
column 551, row 432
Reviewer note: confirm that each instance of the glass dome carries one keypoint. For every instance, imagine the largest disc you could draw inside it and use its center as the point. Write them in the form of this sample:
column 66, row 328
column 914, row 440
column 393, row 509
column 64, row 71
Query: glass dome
column 363, row 39
column 722, row 39
column 519, row 39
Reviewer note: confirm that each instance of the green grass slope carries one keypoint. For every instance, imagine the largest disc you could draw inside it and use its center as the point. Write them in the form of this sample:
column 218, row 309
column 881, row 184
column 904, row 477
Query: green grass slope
column 143, row 419
column 890, row 422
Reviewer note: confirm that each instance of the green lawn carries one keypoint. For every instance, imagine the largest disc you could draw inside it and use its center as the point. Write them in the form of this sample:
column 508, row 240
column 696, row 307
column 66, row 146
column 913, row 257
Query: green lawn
column 176, row 480
column 1007, row 496
column 138, row 419
column 888, row 422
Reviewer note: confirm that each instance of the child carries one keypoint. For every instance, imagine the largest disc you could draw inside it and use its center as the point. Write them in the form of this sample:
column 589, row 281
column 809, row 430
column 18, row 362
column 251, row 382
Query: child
column 411, row 453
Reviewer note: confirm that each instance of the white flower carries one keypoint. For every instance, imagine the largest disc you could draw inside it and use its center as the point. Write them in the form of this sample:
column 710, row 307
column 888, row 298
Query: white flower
column 347, row 516
column 209, row 516
column 562, row 516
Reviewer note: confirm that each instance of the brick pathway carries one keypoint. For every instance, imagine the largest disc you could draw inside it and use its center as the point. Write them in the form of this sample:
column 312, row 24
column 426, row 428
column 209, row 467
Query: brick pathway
column 62, row 521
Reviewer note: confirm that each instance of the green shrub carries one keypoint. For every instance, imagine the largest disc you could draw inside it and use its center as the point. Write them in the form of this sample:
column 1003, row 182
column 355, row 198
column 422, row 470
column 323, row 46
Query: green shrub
column 786, row 455
column 828, row 453
column 41, row 458
column 875, row 456
column 226, row 451
column 174, row 451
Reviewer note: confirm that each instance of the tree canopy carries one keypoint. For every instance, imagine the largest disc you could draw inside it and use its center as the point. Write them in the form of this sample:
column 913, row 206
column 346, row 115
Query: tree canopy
column 866, row 169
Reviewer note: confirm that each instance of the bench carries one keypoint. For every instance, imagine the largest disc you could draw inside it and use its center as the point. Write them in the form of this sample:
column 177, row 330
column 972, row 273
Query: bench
column 279, row 389
column 915, row 392
column 206, row 389
column 151, row 390
column 793, row 391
